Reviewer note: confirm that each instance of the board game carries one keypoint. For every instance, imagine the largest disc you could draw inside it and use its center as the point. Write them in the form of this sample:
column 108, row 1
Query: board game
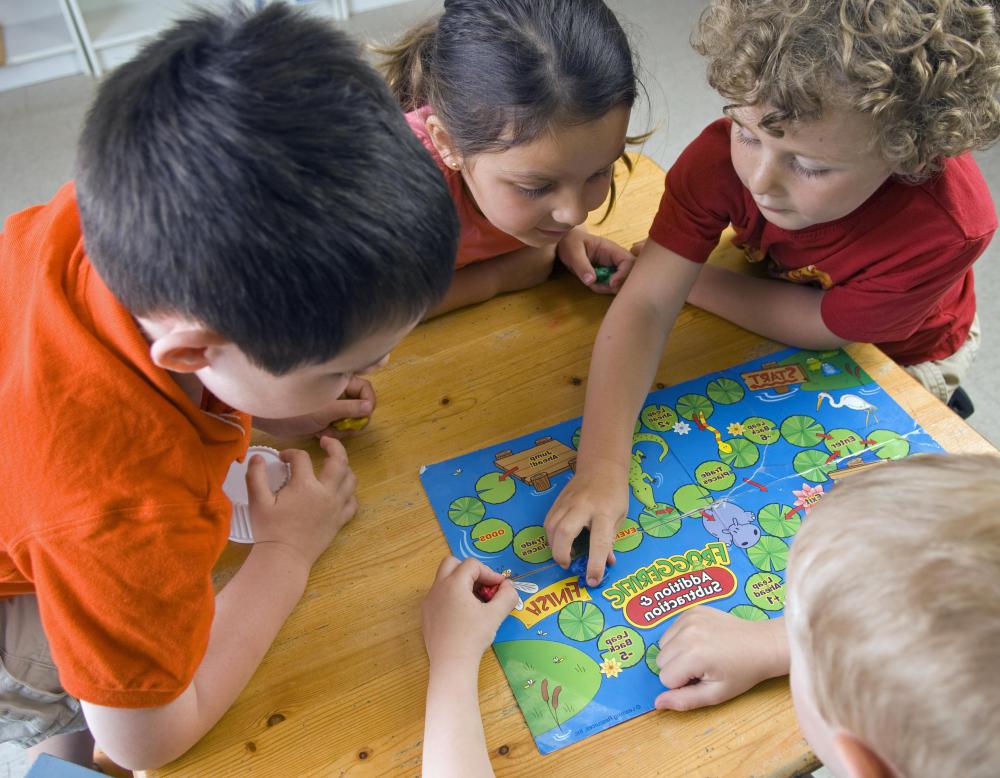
column 724, row 470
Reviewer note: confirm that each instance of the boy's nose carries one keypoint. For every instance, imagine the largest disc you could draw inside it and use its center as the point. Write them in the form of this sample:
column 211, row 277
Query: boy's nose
column 764, row 178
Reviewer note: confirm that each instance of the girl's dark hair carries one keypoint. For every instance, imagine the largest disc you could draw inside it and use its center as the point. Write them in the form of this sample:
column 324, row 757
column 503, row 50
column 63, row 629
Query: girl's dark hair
column 499, row 73
column 221, row 178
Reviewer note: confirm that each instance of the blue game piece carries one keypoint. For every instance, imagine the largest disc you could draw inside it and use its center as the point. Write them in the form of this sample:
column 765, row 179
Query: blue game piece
column 578, row 567
column 829, row 369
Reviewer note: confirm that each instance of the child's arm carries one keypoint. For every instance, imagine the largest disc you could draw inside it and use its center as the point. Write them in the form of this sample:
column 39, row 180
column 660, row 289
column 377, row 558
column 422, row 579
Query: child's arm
column 708, row 656
column 780, row 310
column 458, row 628
column 291, row 529
column 582, row 252
column 626, row 354
column 479, row 281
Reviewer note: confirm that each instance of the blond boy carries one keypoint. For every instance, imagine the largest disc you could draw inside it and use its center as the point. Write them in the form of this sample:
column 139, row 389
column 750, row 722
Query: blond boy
column 893, row 619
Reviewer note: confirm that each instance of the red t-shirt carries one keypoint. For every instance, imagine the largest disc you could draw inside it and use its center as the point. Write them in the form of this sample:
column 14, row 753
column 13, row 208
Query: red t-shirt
column 897, row 270
column 478, row 239
column 112, row 511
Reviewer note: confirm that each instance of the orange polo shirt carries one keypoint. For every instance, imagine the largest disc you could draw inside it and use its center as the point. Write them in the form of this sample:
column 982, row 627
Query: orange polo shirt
column 113, row 510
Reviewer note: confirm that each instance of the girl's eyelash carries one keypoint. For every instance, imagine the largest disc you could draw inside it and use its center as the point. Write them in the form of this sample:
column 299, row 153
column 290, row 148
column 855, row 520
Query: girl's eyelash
column 745, row 139
column 533, row 193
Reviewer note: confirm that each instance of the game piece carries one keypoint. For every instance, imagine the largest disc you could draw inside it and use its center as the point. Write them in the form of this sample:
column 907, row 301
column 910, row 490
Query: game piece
column 603, row 273
column 350, row 424
column 235, row 487
column 486, row 592
column 725, row 468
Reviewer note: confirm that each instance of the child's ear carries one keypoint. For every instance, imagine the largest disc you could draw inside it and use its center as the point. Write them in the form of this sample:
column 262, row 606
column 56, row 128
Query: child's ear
column 183, row 349
column 858, row 759
column 442, row 141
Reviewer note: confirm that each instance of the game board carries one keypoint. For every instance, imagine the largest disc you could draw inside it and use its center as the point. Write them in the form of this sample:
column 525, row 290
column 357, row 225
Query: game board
column 724, row 469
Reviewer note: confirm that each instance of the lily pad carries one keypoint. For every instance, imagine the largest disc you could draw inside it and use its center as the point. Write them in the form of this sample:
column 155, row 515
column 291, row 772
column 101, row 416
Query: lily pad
column 749, row 612
column 466, row 511
column 769, row 554
column 495, row 488
column 782, row 521
column 744, row 453
column 660, row 522
column 691, row 498
column 581, row 621
column 725, row 391
column 691, row 404
column 813, row 465
column 889, row 444
column 802, row 431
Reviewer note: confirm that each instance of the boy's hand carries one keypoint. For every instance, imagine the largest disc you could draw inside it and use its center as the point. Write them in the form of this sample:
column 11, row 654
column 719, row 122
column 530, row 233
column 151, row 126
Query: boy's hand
column 307, row 513
column 598, row 501
column 458, row 627
column 708, row 656
column 355, row 402
column 581, row 252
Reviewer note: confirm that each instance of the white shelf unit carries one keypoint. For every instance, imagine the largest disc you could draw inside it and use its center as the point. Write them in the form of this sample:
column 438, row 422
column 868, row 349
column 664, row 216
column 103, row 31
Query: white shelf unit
column 41, row 43
column 48, row 39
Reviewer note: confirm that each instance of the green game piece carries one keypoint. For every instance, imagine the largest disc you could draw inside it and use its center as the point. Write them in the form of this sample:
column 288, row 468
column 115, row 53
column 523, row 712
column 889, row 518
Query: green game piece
column 581, row 621
column 466, row 511
column 603, row 273
column 782, row 521
column 749, row 612
column 492, row 535
column 769, row 554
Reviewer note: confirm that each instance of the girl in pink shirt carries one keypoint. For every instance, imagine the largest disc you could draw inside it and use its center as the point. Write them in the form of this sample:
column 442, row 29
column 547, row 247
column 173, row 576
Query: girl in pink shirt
column 524, row 105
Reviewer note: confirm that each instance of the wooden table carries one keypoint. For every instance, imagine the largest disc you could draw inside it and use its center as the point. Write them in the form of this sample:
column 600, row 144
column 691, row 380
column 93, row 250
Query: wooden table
column 341, row 691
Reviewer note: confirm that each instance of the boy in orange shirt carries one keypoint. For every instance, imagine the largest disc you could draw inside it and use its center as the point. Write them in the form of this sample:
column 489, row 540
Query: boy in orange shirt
column 214, row 261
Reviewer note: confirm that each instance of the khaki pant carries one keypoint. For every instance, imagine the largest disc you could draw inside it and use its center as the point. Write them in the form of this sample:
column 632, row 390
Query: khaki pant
column 33, row 704
column 942, row 377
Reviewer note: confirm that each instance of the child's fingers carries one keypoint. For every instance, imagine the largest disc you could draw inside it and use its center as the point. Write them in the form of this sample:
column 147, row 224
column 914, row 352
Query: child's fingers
column 624, row 268
column 360, row 389
column 335, row 466
column 354, row 408
column 300, row 463
column 447, row 566
column 574, row 255
column 258, row 489
column 637, row 247
column 505, row 599
column 602, row 535
column 562, row 531
column 697, row 695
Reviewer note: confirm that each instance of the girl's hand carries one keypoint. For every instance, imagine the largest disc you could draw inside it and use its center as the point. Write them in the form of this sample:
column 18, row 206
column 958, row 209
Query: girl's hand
column 709, row 656
column 581, row 252
column 458, row 626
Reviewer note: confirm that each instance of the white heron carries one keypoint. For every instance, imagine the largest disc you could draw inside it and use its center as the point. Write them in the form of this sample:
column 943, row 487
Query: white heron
column 851, row 401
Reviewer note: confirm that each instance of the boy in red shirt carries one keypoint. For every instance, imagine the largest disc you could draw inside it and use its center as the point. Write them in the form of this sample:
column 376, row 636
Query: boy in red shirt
column 843, row 163
column 224, row 253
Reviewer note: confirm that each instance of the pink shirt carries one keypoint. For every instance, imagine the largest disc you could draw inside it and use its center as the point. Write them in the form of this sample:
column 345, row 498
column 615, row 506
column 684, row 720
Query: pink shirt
column 478, row 238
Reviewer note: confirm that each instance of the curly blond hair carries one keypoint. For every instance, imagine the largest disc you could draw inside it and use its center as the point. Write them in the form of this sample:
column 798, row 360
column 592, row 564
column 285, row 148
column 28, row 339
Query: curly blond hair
column 927, row 71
